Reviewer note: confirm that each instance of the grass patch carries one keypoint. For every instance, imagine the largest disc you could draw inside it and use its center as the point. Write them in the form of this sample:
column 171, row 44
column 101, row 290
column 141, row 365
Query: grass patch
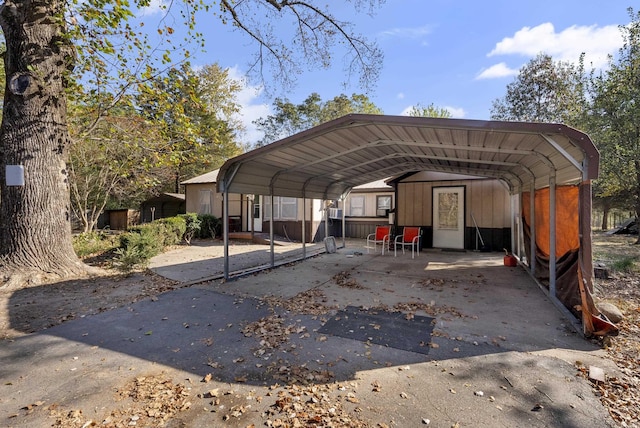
column 625, row 264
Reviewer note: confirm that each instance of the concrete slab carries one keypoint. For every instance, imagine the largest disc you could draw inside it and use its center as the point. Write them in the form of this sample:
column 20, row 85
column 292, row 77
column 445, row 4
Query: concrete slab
column 496, row 334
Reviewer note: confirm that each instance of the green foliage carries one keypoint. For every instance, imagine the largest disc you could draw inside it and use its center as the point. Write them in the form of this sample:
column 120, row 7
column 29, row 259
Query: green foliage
column 143, row 242
column 175, row 228
column 290, row 118
column 615, row 115
column 193, row 225
column 193, row 112
column 544, row 91
column 624, row 264
column 94, row 242
column 210, row 226
column 111, row 161
column 429, row 111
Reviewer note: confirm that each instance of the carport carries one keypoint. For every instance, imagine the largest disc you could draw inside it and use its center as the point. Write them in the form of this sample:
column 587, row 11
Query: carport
column 548, row 167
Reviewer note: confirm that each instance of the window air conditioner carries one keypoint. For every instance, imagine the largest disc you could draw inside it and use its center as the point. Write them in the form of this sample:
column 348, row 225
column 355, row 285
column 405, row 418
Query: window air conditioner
column 335, row 213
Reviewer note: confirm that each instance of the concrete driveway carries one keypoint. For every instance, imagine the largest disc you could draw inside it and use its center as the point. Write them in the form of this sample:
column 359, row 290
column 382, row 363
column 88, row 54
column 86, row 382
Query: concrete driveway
column 443, row 339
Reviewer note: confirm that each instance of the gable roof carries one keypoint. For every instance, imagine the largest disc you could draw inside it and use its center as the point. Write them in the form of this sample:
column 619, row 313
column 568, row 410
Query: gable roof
column 209, row 177
column 327, row 161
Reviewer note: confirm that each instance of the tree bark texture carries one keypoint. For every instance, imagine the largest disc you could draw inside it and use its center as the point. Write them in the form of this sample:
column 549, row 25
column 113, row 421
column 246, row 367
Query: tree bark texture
column 35, row 227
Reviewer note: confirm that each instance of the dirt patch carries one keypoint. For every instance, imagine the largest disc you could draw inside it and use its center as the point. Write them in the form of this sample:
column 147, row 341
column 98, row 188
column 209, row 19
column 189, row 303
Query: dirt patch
column 621, row 394
column 33, row 309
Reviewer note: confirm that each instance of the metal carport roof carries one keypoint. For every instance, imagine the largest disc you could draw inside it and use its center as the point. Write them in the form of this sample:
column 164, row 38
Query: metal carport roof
column 326, row 161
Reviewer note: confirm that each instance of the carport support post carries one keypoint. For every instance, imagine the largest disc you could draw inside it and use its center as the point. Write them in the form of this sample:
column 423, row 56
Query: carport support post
column 513, row 225
column 552, row 236
column 273, row 260
column 225, row 231
column 532, row 227
column 344, row 225
column 304, row 226
column 326, row 218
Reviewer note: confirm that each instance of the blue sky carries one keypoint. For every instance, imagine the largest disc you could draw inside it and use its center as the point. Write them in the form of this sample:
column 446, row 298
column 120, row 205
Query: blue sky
column 458, row 55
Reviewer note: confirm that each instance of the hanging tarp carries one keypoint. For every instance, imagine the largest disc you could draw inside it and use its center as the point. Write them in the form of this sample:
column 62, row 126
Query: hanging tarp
column 573, row 250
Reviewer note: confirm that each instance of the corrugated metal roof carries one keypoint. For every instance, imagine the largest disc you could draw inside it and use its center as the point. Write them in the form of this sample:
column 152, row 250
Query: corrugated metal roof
column 375, row 185
column 209, row 177
column 328, row 160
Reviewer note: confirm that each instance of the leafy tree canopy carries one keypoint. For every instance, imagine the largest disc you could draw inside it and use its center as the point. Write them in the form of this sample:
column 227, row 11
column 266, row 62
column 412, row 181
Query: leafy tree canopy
column 290, row 118
column 429, row 111
column 615, row 119
column 544, row 91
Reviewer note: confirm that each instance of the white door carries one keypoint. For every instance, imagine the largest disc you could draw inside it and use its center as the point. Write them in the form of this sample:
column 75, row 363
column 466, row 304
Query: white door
column 448, row 217
column 257, row 214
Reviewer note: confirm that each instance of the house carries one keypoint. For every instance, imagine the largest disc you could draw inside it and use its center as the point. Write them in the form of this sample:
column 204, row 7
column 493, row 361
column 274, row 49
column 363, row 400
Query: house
column 162, row 206
column 367, row 206
column 201, row 197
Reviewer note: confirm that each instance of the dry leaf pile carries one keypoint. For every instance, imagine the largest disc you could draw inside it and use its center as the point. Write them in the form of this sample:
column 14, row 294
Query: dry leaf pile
column 271, row 332
column 147, row 401
column 432, row 283
column 344, row 279
column 410, row 308
column 621, row 394
column 310, row 302
column 298, row 374
column 311, row 406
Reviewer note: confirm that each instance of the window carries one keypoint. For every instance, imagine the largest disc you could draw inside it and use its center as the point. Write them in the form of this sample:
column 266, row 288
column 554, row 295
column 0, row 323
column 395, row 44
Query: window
column 383, row 205
column 283, row 208
column 448, row 211
column 356, row 206
column 206, row 202
column 288, row 208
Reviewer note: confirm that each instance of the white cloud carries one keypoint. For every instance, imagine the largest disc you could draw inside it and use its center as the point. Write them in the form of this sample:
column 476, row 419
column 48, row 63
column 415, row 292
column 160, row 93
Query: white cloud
column 497, row 71
column 250, row 110
column 155, row 6
column 456, row 112
column 406, row 32
column 400, row 96
column 567, row 45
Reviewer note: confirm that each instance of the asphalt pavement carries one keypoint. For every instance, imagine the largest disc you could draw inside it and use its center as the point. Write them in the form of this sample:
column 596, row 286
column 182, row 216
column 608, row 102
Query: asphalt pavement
column 443, row 339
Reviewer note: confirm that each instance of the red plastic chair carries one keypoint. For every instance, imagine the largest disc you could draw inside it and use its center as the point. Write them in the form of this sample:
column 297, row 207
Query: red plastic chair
column 410, row 237
column 381, row 236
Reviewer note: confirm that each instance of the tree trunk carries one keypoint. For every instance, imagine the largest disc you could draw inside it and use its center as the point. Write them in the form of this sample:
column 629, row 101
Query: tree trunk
column 605, row 217
column 35, row 227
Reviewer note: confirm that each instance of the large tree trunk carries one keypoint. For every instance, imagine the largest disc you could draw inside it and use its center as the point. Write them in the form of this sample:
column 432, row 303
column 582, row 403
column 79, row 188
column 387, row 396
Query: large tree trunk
column 35, row 228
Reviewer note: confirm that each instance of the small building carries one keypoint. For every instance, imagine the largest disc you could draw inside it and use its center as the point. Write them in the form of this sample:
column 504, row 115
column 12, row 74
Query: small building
column 119, row 219
column 201, row 197
column 162, row 206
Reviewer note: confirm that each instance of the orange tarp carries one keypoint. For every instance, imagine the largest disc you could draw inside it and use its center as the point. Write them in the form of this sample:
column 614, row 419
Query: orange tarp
column 567, row 224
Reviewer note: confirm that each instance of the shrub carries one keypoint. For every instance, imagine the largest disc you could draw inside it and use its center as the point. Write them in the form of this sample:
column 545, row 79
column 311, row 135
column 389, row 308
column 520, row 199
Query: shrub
column 140, row 243
column 192, row 226
column 129, row 258
column 175, row 228
column 210, row 226
column 94, row 242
